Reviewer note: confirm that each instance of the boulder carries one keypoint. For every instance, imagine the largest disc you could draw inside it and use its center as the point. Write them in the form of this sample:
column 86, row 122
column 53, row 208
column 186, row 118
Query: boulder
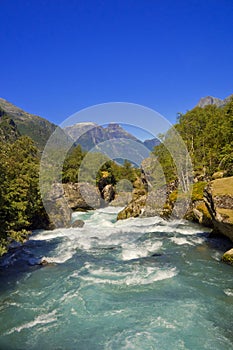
column 133, row 209
column 78, row 223
column 82, row 196
column 121, row 199
column 41, row 261
column 46, row 261
column 218, row 175
column 108, row 193
column 201, row 214
column 144, row 204
column 57, row 208
column 155, row 202
column 218, row 196
column 137, row 204
column 228, row 257
column 147, row 200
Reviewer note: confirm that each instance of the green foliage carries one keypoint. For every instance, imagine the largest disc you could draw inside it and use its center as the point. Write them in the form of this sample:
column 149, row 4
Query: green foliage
column 125, row 171
column 91, row 164
column 96, row 168
column 8, row 129
column 20, row 202
column 105, row 175
column 198, row 190
column 208, row 135
column 165, row 159
column 71, row 164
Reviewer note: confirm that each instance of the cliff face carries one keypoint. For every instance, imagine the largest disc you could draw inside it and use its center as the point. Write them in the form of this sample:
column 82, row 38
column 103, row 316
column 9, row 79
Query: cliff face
column 218, row 196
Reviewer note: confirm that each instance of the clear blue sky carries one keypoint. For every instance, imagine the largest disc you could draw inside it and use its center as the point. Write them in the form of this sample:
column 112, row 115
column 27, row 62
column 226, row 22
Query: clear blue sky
column 59, row 56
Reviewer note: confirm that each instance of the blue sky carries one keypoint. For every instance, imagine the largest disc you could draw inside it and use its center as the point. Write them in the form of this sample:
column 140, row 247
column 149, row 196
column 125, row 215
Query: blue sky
column 60, row 56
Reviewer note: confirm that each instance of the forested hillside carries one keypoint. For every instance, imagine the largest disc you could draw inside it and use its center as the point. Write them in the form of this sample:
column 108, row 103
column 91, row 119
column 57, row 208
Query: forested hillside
column 39, row 129
column 208, row 135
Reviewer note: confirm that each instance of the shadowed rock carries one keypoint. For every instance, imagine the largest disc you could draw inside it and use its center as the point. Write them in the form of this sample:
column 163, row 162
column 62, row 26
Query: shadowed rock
column 78, row 223
column 82, row 196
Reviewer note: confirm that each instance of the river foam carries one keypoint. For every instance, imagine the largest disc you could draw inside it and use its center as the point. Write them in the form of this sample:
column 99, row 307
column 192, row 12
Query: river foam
column 140, row 283
column 102, row 231
column 39, row 320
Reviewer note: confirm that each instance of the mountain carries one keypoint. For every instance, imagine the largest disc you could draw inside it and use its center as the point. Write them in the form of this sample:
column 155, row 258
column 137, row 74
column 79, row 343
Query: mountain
column 210, row 100
column 115, row 131
column 8, row 129
column 89, row 135
column 76, row 130
column 151, row 143
column 39, row 129
column 15, row 122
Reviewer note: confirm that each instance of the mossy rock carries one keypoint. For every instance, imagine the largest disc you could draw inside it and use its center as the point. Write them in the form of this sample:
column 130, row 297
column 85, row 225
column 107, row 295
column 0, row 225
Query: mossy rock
column 201, row 214
column 228, row 257
column 201, row 206
column 133, row 209
column 138, row 193
column 198, row 190
column 197, row 193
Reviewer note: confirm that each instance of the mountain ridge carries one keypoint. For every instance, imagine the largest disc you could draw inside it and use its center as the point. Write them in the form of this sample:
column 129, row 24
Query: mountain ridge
column 89, row 135
column 210, row 100
column 38, row 128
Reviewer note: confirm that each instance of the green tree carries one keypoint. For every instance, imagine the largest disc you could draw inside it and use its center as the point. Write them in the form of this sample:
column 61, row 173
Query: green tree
column 21, row 207
column 72, row 163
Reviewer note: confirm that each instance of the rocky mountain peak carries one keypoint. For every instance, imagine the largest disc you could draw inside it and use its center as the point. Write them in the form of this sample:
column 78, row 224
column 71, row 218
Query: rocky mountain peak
column 210, row 100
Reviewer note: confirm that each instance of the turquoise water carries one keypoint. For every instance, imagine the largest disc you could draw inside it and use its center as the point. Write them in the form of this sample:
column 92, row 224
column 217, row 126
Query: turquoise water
column 133, row 284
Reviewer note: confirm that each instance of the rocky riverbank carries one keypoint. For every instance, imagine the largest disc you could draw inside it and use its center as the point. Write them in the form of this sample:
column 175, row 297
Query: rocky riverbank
column 211, row 203
column 211, row 206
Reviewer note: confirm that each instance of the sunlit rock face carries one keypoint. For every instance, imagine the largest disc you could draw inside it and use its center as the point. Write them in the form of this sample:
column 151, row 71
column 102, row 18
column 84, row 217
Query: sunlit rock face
column 219, row 201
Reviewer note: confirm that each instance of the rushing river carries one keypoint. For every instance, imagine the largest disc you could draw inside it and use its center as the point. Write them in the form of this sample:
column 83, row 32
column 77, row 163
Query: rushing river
column 133, row 284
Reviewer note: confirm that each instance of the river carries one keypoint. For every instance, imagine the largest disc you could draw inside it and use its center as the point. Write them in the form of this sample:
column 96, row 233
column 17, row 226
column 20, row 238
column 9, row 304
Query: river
column 141, row 283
